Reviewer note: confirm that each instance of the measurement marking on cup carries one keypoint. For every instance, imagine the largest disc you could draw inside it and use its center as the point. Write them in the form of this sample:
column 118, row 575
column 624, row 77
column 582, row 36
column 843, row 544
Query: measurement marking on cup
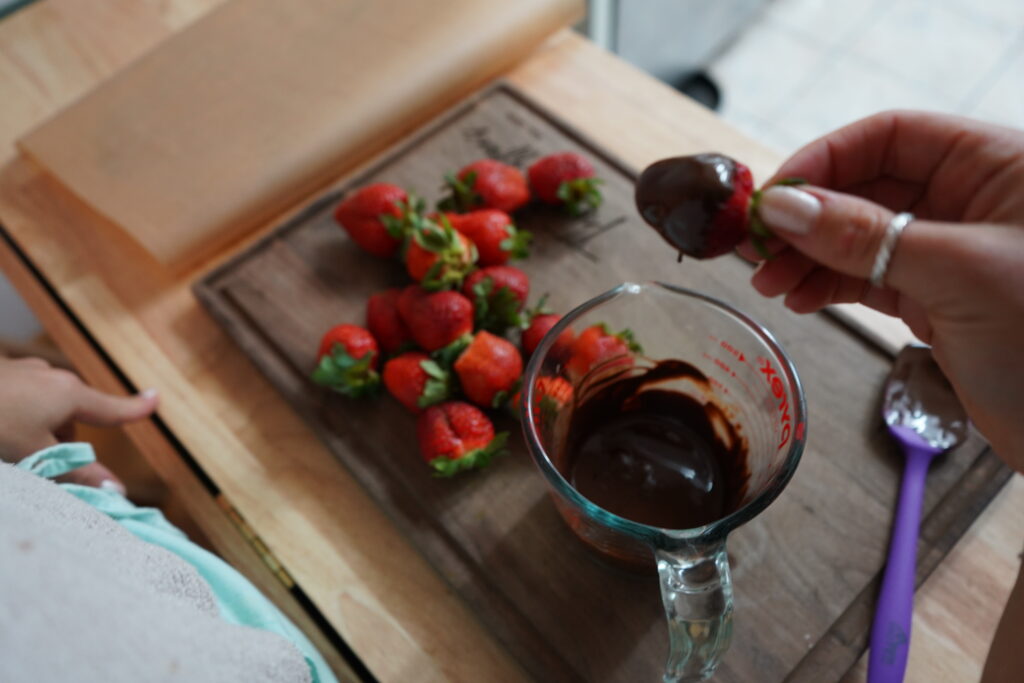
column 779, row 392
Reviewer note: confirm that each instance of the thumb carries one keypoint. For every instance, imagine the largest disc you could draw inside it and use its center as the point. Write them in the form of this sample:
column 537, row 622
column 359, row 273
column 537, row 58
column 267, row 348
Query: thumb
column 106, row 410
column 844, row 233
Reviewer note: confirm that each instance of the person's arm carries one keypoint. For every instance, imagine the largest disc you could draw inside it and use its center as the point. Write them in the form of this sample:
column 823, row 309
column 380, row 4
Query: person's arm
column 957, row 272
column 956, row 276
column 39, row 405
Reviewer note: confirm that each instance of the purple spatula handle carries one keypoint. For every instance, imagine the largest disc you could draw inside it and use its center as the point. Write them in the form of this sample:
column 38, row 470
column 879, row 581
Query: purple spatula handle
column 890, row 632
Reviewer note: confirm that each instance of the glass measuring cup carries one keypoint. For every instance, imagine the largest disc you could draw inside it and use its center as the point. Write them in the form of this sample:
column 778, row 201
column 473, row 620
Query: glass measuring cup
column 752, row 383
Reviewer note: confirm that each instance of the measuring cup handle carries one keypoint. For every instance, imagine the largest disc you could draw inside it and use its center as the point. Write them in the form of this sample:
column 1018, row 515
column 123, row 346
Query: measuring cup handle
column 697, row 594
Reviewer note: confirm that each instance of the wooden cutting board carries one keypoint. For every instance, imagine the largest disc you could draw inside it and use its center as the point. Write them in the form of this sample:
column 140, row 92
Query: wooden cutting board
column 805, row 571
column 257, row 104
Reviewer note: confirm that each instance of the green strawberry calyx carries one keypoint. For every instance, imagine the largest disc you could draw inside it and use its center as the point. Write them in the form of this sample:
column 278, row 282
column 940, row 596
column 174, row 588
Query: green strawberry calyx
column 517, row 244
column 412, row 214
column 580, row 195
column 495, row 310
column 352, row 377
column 462, row 197
column 446, row 356
column 627, row 336
column 438, row 385
column 454, row 258
column 471, row 460
column 540, row 308
column 759, row 232
column 502, row 397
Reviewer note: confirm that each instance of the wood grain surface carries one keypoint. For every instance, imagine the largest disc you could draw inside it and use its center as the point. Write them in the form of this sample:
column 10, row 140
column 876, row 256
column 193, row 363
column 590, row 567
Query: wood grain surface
column 251, row 108
column 364, row 577
column 494, row 535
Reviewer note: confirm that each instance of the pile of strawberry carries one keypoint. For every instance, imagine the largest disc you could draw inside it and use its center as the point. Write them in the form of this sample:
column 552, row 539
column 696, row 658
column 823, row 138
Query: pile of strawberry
column 444, row 345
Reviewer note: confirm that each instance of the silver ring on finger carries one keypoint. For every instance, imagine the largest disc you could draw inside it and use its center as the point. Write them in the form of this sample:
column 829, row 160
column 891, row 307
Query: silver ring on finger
column 884, row 255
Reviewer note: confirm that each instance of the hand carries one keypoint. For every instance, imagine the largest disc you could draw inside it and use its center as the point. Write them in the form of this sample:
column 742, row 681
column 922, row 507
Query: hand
column 39, row 405
column 957, row 273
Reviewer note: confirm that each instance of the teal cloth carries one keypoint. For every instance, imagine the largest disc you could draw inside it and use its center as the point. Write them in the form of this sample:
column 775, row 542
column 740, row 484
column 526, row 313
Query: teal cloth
column 238, row 600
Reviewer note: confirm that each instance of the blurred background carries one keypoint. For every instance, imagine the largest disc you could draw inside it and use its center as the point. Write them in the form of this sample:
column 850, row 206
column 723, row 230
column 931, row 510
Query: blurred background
column 786, row 71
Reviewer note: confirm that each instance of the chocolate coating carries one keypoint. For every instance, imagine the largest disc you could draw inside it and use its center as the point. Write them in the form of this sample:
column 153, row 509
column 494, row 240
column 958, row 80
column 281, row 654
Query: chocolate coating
column 653, row 455
column 679, row 197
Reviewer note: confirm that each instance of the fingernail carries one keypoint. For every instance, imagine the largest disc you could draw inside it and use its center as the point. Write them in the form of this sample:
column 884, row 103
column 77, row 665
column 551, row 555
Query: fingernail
column 111, row 485
column 148, row 393
column 789, row 209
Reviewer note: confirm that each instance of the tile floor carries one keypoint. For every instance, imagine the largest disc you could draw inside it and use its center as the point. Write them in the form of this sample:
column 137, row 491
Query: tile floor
column 806, row 67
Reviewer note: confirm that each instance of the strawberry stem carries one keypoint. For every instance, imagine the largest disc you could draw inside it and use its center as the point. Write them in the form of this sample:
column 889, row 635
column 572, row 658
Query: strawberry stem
column 580, row 195
column 759, row 232
column 462, row 197
column 352, row 377
column 472, row 460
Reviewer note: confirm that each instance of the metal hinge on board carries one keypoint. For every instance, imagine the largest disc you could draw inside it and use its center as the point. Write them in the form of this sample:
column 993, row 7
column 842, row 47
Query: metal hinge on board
column 256, row 542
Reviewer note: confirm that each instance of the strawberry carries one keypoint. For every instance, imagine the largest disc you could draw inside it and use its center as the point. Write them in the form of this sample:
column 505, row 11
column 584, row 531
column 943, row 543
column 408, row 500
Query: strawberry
column 550, row 394
column 498, row 294
column 486, row 184
column 416, row 380
column 489, row 369
column 372, row 216
column 384, row 322
column 347, row 361
column 435, row 319
column 439, row 256
column 457, row 436
column 703, row 205
column 539, row 326
column 567, row 179
column 595, row 345
column 497, row 240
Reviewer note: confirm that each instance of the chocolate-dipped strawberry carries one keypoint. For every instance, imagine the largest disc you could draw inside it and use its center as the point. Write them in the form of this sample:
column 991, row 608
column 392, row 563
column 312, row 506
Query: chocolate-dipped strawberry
column 703, row 205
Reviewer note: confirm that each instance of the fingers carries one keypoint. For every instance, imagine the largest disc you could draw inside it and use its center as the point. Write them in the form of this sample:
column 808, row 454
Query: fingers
column 773, row 246
column 832, row 229
column 106, row 410
column 782, row 273
column 816, row 291
column 905, row 145
column 841, row 235
column 31, row 362
column 95, row 475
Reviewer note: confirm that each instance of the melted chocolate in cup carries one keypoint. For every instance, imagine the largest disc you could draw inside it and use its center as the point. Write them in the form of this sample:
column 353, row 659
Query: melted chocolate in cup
column 654, row 455
column 679, row 197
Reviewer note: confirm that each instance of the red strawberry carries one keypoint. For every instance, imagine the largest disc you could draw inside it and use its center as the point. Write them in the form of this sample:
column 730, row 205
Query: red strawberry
column 347, row 361
column 595, row 345
column 366, row 214
column 498, row 294
column 416, row 380
column 435, row 319
column 568, row 179
column 384, row 322
column 539, row 326
column 457, row 436
column 489, row 369
column 438, row 255
column 550, row 394
column 486, row 184
column 497, row 240
column 703, row 205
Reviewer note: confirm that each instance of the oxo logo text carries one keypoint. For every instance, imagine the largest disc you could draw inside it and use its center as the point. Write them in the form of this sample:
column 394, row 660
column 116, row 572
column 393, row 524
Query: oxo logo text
column 779, row 392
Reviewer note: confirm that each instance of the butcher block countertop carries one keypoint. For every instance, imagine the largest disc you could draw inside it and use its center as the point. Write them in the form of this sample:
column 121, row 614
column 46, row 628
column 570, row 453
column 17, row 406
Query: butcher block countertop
column 223, row 433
